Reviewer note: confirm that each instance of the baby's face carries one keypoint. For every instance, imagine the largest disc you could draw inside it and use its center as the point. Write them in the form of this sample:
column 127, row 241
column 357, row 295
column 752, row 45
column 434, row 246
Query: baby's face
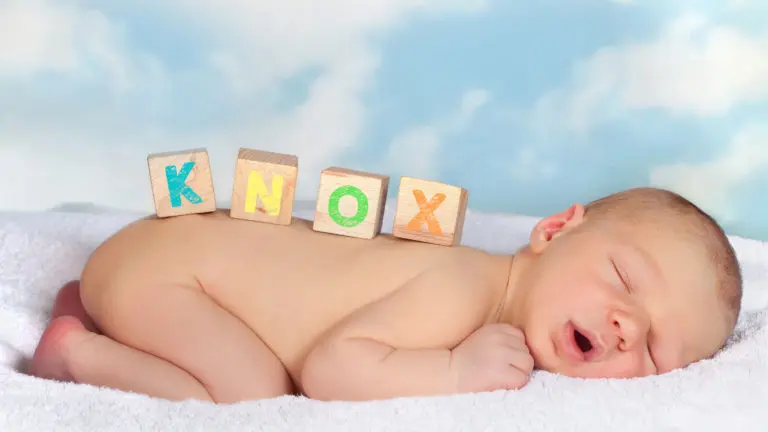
column 621, row 301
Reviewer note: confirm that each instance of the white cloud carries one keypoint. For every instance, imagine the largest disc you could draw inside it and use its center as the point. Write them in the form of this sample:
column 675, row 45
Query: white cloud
column 710, row 184
column 39, row 167
column 471, row 102
column 283, row 39
column 269, row 40
column 531, row 164
column 416, row 150
column 254, row 45
column 41, row 36
column 738, row 4
column 694, row 67
column 318, row 131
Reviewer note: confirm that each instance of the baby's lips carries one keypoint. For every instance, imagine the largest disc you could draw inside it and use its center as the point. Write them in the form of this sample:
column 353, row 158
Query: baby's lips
column 567, row 345
column 598, row 347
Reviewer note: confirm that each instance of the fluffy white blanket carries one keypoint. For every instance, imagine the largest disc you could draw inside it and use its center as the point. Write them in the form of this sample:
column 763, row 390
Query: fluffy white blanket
column 40, row 251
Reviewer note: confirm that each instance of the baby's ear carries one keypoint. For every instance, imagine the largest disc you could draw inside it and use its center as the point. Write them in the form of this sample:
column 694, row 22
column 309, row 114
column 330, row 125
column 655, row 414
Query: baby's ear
column 551, row 227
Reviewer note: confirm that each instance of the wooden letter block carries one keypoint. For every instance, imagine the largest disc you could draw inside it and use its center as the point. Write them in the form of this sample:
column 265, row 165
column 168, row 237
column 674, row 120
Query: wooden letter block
column 430, row 212
column 181, row 182
column 350, row 203
column 264, row 186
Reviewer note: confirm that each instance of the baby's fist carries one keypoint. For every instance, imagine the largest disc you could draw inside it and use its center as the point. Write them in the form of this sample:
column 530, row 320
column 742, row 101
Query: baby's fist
column 494, row 357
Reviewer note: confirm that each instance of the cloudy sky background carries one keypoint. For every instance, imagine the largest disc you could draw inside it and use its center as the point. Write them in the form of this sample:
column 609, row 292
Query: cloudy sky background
column 529, row 105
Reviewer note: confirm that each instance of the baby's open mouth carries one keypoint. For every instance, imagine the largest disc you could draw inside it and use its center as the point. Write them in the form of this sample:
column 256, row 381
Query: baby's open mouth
column 582, row 341
column 578, row 344
column 587, row 344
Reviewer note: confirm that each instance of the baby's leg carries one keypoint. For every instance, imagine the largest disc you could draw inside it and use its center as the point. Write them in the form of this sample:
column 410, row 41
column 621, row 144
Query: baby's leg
column 71, row 349
column 69, row 352
column 184, row 327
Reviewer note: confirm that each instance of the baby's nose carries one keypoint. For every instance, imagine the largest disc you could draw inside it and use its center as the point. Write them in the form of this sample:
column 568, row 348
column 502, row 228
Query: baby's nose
column 630, row 330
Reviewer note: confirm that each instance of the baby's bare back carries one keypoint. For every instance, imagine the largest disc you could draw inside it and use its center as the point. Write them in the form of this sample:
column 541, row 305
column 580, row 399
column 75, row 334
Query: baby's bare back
column 289, row 284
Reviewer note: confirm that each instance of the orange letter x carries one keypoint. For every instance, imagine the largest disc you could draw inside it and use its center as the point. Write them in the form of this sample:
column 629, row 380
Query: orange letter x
column 426, row 213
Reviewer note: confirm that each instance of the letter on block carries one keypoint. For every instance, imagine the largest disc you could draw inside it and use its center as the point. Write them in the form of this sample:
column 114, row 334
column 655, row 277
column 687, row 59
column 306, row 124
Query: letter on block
column 264, row 186
column 350, row 203
column 430, row 212
column 181, row 182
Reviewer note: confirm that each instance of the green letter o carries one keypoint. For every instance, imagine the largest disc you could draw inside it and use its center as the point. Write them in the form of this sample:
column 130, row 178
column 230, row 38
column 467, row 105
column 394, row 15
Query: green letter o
column 362, row 206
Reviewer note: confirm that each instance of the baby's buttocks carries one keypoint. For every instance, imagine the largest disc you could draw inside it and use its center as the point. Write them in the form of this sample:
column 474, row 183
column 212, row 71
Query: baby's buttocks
column 143, row 255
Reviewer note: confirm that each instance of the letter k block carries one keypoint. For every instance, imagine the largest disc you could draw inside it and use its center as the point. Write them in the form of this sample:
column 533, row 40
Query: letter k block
column 430, row 212
column 181, row 182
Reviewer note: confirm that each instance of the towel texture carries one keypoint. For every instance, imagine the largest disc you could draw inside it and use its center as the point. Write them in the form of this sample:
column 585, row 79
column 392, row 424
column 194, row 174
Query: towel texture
column 41, row 251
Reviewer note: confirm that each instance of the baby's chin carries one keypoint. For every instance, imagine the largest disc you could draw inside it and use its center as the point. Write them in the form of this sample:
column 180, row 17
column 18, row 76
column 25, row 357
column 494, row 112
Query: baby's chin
column 545, row 358
column 582, row 371
column 568, row 370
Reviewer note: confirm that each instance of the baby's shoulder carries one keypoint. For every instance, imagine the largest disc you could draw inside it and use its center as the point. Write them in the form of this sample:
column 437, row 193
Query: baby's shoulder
column 466, row 283
column 467, row 266
column 467, row 259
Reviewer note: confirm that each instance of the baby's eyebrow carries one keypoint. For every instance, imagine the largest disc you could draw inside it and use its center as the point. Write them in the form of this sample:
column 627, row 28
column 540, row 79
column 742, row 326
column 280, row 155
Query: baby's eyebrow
column 651, row 277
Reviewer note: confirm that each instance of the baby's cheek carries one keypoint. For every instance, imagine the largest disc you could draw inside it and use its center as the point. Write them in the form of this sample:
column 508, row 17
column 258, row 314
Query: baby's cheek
column 539, row 341
column 626, row 365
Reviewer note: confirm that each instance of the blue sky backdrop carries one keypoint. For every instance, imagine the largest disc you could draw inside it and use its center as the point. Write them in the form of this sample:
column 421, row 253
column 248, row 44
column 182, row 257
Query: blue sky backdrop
column 529, row 105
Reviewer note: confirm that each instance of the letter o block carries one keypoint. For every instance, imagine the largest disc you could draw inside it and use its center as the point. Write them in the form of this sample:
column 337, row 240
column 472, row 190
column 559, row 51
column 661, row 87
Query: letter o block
column 264, row 186
column 181, row 182
column 430, row 212
column 350, row 203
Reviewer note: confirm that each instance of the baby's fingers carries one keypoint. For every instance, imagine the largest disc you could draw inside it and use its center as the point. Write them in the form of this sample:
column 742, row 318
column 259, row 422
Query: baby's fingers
column 514, row 379
column 514, row 340
column 520, row 360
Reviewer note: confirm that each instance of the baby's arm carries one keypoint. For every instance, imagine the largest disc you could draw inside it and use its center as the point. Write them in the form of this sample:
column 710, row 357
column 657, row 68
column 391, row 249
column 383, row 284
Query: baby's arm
column 401, row 345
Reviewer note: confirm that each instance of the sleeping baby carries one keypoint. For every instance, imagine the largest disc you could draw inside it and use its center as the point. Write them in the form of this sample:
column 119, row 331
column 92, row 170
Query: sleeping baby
column 218, row 309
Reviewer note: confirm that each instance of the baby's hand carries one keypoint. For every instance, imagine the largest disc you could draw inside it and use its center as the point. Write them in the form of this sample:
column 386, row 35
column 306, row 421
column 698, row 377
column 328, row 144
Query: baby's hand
column 494, row 357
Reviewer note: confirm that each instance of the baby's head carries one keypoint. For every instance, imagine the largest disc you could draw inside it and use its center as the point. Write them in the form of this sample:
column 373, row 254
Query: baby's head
column 637, row 283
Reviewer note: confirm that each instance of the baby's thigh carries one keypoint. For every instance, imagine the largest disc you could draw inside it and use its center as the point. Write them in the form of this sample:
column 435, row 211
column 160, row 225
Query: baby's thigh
column 181, row 324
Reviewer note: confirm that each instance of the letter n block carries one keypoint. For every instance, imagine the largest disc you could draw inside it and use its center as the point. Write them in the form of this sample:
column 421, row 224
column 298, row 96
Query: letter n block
column 264, row 186
column 430, row 212
column 350, row 203
column 181, row 182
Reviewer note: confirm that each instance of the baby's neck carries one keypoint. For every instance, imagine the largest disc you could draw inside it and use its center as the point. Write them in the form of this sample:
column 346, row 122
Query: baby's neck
column 512, row 304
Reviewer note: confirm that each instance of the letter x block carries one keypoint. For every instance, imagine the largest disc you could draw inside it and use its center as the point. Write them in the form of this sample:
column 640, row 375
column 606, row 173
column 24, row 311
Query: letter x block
column 430, row 212
column 350, row 203
column 264, row 186
column 181, row 182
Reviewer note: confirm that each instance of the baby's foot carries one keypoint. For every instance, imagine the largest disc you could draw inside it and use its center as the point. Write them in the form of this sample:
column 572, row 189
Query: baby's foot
column 68, row 303
column 50, row 360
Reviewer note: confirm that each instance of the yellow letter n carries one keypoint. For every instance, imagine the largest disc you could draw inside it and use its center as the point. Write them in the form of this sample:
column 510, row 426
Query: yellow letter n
column 258, row 189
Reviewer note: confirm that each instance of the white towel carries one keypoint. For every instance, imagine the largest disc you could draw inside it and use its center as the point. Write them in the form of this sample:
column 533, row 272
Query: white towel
column 40, row 251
